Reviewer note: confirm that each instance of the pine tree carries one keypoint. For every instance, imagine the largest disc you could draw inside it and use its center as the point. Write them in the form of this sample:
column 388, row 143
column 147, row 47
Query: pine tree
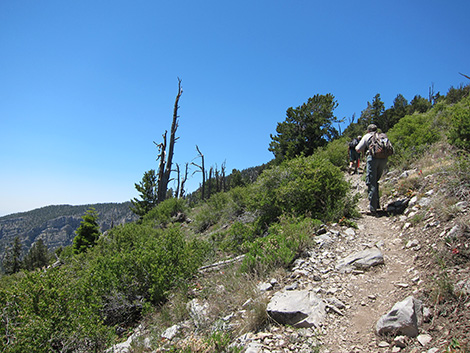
column 37, row 256
column 12, row 262
column 306, row 128
column 88, row 232
column 148, row 194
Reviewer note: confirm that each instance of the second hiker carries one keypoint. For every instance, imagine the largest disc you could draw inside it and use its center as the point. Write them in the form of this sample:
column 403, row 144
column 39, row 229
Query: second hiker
column 353, row 155
column 376, row 164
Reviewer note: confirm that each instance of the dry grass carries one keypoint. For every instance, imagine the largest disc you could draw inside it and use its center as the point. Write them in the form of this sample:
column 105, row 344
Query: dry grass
column 229, row 293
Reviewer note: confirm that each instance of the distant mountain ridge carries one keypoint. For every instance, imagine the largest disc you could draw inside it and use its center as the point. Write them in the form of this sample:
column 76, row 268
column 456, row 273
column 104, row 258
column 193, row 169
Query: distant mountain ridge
column 56, row 225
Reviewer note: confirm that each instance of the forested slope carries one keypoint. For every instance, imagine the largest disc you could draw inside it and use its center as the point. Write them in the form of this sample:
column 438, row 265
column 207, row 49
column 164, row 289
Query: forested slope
column 56, row 225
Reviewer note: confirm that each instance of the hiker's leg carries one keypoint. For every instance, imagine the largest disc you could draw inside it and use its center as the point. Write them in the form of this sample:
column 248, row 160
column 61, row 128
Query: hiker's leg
column 356, row 162
column 380, row 167
column 371, row 181
column 351, row 160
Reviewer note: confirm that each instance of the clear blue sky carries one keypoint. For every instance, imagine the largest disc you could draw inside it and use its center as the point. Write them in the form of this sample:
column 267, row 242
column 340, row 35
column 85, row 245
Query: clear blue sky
column 87, row 86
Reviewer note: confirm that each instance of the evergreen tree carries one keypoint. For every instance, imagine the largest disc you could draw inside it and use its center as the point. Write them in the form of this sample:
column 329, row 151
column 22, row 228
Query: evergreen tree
column 456, row 94
column 12, row 260
column 378, row 108
column 37, row 256
column 148, row 194
column 236, row 179
column 88, row 232
column 373, row 113
column 366, row 117
column 419, row 104
column 306, row 128
column 393, row 115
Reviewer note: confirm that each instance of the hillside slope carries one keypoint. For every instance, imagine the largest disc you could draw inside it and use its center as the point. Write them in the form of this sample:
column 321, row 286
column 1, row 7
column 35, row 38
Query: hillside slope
column 56, row 225
column 425, row 255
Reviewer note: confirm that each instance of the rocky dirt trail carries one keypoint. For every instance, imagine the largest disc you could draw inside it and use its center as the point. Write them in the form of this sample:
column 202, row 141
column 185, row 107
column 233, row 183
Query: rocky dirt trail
column 355, row 296
column 372, row 293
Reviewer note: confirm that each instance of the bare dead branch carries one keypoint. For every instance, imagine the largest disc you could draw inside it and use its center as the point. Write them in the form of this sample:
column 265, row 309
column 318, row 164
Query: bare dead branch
column 202, row 170
column 464, row 75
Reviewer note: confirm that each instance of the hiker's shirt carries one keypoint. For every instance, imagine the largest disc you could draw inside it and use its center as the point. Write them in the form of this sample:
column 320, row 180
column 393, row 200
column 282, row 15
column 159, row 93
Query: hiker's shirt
column 363, row 145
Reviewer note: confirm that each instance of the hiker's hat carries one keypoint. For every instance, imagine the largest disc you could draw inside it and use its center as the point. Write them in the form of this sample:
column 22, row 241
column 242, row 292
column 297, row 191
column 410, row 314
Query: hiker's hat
column 372, row 127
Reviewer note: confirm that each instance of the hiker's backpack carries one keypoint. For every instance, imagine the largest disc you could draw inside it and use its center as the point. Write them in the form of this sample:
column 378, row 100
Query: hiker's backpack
column 380, row 146
column 353, row 144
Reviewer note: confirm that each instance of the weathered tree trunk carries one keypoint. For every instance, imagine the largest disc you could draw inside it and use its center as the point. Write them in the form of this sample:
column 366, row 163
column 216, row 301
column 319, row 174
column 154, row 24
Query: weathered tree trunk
column 161, row 168
column 209, row 187
column 217, row 180
column 183, row 181
column 178, row 180
column 203, row 171
column 165, row 166
column 222, row 171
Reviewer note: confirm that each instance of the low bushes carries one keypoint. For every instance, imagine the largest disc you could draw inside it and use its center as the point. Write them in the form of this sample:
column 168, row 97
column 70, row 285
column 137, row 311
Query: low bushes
column 414, row 134
column 459, row 134
column 223, row 206
column 75, row 307
column 141, row 262
column 52, row 311
column 163, row 213
column 336, row 152
column 279, row 248
column 303, row 186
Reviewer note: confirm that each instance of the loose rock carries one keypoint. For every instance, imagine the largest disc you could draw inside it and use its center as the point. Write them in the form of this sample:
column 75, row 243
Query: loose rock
column 299, row 308
column 403, row 318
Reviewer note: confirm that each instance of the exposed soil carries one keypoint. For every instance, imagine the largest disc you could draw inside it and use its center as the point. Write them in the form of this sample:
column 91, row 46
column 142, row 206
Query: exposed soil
column 406, row 271
column 373, row 292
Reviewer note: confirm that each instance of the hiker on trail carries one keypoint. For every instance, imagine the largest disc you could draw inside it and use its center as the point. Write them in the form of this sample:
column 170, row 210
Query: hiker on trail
column 376, row 164
column 353, row 155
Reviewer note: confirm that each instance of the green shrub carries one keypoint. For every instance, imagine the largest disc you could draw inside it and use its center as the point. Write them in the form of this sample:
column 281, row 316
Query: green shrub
column 459, row 134
column 414, row 134
column 223, row 206
column 239, row 198
column 237, row 235
column 209, row 212
column 164, row 211
column 52, row 311
column 219, row 342
column 141, row 262
column 283, row 244
column 336, row 152
column 301, row 186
